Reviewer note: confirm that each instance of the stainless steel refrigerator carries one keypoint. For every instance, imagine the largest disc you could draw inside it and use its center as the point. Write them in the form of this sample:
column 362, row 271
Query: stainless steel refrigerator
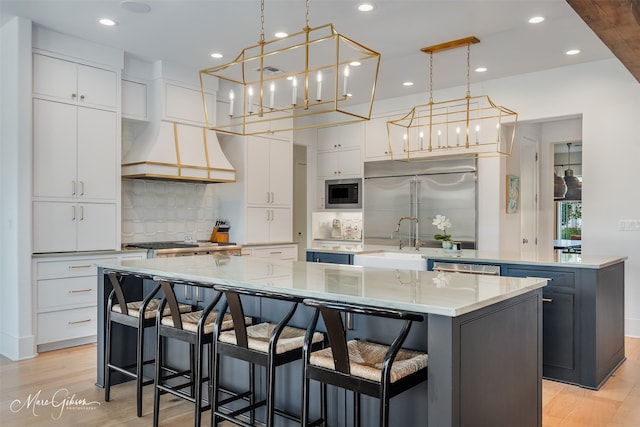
column 394, row 189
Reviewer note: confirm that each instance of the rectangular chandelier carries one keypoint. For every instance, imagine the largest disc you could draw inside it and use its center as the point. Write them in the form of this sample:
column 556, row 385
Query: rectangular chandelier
column 469, row 127
column 313, row 78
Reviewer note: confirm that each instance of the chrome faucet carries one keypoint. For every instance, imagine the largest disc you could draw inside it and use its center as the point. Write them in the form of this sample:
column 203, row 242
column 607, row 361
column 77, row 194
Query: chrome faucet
column 417, row 243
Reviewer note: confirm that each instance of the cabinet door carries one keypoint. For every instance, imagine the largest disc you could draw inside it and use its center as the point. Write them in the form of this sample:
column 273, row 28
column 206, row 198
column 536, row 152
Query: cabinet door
column 281, row 173
column 376, row 143
column 97, row 87
column 340, row 137
column 54, row 149
column 349, row 162
column 280, row 225
column 96, row 226
column 54, row 226
column 98, row 165
column 134, row 100
column 258, row 225
column 54, row 77
column 258, row 191
column 328, row 164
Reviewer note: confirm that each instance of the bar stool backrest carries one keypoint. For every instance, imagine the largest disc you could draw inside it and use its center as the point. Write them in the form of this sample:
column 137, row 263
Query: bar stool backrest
column 331, row 315
column 232, row 295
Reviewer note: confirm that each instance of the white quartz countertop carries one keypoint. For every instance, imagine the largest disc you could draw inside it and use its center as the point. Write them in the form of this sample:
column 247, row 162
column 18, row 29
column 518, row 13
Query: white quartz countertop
column 419, row 291
column 552, row 258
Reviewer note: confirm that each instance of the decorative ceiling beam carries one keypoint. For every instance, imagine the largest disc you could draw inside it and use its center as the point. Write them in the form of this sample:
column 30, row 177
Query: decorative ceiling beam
column 617, row 24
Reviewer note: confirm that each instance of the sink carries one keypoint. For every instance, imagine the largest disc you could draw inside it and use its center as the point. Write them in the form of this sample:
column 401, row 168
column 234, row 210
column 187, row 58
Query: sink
column 397, row 260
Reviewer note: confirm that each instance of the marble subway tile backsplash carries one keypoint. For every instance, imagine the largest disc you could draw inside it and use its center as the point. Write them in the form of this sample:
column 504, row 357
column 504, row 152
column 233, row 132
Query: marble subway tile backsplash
column 165, row 210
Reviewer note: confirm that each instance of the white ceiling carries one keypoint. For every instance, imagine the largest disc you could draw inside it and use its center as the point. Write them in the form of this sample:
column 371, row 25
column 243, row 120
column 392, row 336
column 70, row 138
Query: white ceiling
column 187, row 31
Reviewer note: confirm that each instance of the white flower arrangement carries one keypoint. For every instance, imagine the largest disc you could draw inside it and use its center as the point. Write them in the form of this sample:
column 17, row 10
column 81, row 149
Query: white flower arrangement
column 442, row 222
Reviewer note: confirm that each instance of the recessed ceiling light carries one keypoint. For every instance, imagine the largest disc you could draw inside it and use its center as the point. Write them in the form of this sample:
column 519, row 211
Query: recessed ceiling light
column 481, row 69
column 572, row 52
column 355, row 63
column 107, row 22
column 280, row 34
column 407, row 84
column 536, row 19
column 216, row 55
column 365, row 7
column 135, row 6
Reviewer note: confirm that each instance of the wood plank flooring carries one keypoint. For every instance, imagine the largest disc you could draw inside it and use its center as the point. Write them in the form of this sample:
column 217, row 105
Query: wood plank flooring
column 71, row 374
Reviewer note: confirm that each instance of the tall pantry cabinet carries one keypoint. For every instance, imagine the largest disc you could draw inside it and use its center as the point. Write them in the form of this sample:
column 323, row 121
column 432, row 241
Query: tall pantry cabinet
column 76, row 165
column 76, row 136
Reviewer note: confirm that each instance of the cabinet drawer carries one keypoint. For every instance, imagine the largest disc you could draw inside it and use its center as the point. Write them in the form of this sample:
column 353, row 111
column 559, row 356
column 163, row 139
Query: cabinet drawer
column 69, row 268
column 277, row 252
column 67, row 324
column 66, row 292
column 564, row 279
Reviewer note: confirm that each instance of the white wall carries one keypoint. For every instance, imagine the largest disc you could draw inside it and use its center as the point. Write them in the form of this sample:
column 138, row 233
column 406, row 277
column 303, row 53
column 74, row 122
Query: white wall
column 17, row 340
column 608, row 98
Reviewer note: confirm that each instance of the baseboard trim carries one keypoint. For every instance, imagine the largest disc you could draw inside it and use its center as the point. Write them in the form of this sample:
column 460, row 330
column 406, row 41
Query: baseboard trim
column 17, row 348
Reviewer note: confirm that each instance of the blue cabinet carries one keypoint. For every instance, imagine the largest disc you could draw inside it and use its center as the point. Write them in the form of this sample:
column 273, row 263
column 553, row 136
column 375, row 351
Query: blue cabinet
column 583, row 319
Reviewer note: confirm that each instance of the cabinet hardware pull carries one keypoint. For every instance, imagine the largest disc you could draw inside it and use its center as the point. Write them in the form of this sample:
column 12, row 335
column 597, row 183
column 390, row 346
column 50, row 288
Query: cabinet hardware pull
column 547, row 300
column 73, row 217
column 82, row 188
column 275, row 252
column 81, row 213
column 273, row 197
column 268, row 197
column 77, row 291
column 82, row 97
column 73, row 95
column 79, row 321
column 450, row 270
column 80, row 266
column 73, row 188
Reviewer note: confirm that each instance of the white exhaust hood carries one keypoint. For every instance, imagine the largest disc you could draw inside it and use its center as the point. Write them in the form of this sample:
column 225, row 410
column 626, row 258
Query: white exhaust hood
column 175, row 145
column 178, row 152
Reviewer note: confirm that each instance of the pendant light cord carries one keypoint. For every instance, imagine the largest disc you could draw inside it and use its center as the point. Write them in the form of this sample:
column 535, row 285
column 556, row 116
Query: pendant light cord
column 261, row 21
column 307, row 15
column 431, row 77
column 468, row 70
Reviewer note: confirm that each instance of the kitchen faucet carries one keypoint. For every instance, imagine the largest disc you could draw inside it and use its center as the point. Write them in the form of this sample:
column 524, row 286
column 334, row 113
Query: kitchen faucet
column 417, row 243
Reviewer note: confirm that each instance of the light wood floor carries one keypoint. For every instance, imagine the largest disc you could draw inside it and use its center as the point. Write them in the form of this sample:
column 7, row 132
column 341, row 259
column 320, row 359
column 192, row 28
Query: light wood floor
column 616, row 404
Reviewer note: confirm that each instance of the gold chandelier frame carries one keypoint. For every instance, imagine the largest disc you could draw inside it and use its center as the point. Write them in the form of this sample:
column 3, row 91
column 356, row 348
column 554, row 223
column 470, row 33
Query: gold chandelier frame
column 267, row 76
column 465, row 127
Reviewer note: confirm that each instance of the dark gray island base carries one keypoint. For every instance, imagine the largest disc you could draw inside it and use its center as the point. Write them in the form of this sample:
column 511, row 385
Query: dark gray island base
column 583, row 310
column 483, row 335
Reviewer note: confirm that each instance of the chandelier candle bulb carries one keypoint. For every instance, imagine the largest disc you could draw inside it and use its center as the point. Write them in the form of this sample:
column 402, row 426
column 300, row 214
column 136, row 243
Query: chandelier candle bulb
column 250, row 102
column 231, row 97
column 346, row 81
column 294, row 91
column 319, row 86
column 272, row 95
column 477, row 132
column 439, row 133
column 458, row 136
column 421, row 139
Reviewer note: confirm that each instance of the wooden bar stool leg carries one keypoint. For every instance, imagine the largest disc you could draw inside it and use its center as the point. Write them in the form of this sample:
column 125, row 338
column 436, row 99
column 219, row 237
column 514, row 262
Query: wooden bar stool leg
column 215, row 386
column 158, row 379
column 107, row 361
column 252, row 390
column 271, row 392
column 139, row 365
column 197, row 379
column 356, row 408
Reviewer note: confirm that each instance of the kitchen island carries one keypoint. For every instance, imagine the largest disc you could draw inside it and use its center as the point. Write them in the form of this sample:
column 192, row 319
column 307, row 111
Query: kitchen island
column 583, row 328
column 483, row 334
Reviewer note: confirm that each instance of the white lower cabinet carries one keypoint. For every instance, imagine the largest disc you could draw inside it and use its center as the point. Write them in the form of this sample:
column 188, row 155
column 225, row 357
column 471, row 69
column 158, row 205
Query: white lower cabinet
column 285, row 251
column 66, row 291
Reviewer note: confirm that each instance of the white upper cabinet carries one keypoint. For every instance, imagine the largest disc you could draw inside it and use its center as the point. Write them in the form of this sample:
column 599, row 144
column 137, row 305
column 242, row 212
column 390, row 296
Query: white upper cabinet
column 376, row 146
column 75, row 83
column 134, row 100
column 338, row 164
column 341, row 137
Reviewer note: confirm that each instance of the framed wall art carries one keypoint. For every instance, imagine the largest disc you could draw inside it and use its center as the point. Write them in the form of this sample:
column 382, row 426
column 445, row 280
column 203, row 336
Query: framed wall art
column 513, row 194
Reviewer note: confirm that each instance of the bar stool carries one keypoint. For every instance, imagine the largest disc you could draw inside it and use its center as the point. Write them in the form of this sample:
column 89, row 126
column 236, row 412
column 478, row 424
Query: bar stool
column 363, row 367
column 195, row 328
column 128, row 314
column 264, row 344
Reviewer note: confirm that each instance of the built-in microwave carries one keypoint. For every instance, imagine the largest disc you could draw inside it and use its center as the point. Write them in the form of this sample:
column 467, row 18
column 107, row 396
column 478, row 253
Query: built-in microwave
column 343, row 193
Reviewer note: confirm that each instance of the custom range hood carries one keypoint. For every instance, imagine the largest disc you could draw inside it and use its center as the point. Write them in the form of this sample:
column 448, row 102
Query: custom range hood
column 173, row 145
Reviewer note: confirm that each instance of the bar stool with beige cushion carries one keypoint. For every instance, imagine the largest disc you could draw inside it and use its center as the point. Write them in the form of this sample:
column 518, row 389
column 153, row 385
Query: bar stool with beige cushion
column 128, row 314
column 364, row 367
column 195, row 328
column 264, row 344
